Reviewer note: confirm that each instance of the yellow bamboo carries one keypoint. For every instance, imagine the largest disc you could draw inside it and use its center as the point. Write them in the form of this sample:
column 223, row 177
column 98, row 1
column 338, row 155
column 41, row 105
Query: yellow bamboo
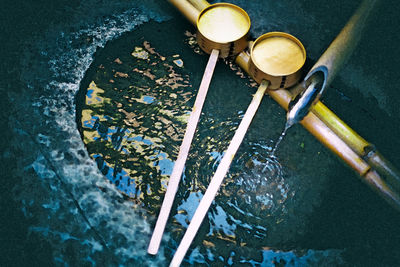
column 362, row 147
column 199, row 4
column 327, row 128
column 324, row 134
column 188, row 10
column 329, row 64
column 328, row 137
column 355, row 141
column 338, row 52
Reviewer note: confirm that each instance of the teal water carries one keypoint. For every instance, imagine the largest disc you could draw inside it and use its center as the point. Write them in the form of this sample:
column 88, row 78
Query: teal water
column 308, row 208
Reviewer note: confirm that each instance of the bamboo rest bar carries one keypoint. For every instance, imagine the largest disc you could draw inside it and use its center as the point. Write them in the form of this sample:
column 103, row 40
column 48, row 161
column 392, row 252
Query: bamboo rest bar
column 322, row 123
column 324, row 130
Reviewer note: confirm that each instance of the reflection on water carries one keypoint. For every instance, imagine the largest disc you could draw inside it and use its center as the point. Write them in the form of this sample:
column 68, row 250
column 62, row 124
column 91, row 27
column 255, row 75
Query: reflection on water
column 134, row 109
column 304, row 209
column 134, row 113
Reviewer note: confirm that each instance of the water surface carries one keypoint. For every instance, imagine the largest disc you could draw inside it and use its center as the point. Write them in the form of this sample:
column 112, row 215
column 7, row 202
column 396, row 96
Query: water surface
column 308, row 208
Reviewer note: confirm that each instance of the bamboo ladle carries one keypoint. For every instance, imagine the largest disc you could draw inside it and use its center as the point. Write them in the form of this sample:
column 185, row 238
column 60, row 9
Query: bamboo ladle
column 276, row 62
column 222, row 32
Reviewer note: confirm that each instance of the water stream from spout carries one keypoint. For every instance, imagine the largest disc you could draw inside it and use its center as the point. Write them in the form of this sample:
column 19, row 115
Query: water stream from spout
column 287, row 126
column 300, row 109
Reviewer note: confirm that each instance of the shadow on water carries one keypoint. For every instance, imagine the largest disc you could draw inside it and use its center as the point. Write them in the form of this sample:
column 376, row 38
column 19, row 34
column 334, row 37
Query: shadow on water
column 306, row 208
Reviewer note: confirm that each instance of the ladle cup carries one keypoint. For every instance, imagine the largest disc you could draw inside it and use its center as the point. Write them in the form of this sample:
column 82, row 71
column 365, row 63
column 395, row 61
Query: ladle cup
column 277, row 57
column 222, row 32
column 276, row 62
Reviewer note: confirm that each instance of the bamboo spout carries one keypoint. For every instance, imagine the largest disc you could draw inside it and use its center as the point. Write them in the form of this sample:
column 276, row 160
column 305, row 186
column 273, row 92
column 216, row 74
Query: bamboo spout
column 328, row 65
column 330, row 130
column 338, row 52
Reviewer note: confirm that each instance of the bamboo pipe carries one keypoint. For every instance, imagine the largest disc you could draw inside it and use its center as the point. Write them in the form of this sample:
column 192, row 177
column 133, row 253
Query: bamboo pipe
column 187, row 9
column 199, row 4
column 356, row 142
column 329, row 64
column 331, row 61
column 316, row 126
column 336, row 143
column 362, row 147
column 338, row 52
column 324, row 134
column 384, row 167
column 344, row 132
